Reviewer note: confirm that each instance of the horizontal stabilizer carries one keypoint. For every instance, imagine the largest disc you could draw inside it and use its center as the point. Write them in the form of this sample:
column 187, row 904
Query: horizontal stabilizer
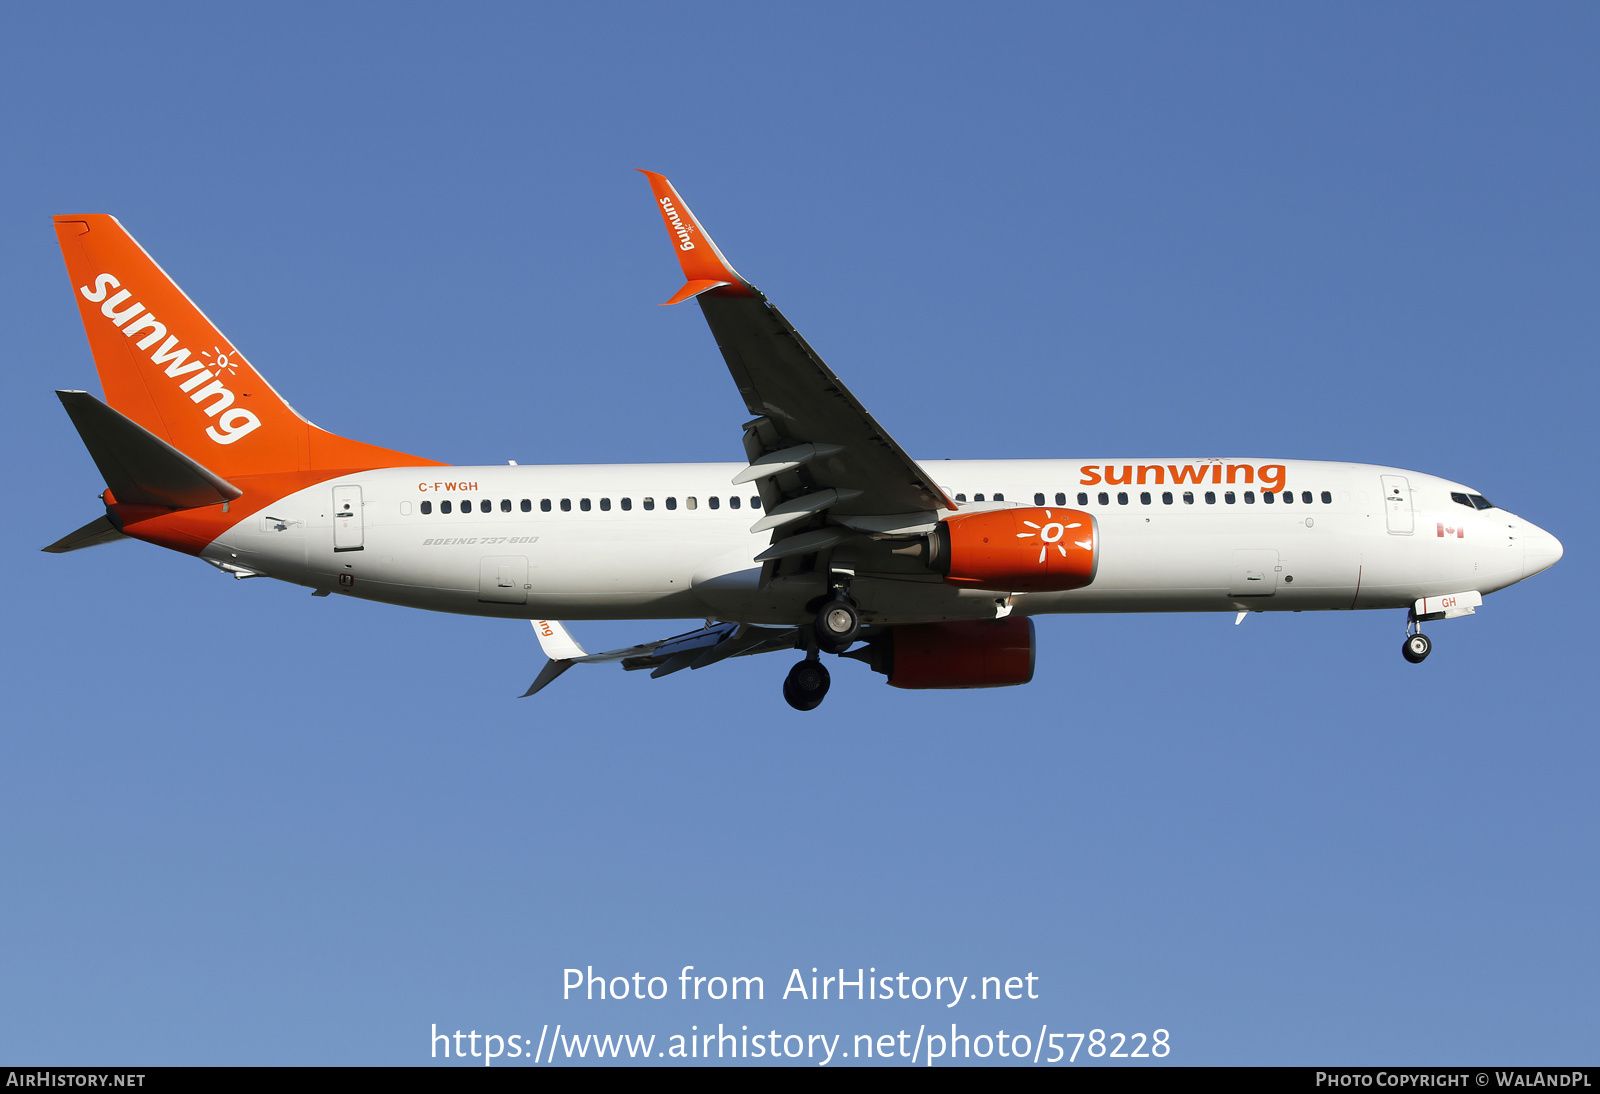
column 97, row 531
column 139, row 467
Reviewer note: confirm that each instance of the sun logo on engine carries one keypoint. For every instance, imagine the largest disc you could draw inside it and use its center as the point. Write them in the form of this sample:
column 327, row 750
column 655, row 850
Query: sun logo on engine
column 1051, row 534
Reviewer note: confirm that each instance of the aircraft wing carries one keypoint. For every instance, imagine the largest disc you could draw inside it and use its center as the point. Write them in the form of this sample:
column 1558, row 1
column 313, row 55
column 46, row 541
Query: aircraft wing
column 812, row 446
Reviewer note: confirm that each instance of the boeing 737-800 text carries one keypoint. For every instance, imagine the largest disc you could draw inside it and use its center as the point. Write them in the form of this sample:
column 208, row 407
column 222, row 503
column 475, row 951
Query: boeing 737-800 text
column 828, row 539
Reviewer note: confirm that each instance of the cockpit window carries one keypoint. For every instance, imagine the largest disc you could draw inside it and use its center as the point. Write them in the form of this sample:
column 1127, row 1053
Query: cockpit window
column 1461, row 499
column 1481, row 502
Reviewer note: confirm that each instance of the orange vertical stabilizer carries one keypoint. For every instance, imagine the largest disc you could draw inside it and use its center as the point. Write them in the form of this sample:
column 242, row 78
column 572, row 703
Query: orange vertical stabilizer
column 163, row 364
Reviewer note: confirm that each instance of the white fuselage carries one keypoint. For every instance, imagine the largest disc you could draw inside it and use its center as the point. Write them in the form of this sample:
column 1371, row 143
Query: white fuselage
column 631, row 541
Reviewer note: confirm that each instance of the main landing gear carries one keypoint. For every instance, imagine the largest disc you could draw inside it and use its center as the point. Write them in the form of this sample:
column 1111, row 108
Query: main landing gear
column 837, row 624
column 836, row 627
column 807, row 684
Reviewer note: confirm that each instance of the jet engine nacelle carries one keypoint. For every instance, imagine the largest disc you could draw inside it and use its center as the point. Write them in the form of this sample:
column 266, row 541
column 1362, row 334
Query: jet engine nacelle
column 968, row 654
column 1018, row 550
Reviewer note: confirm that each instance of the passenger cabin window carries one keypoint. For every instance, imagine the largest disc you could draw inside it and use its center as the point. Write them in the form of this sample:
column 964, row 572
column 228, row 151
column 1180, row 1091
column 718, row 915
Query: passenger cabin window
column 1061, row 499
column 999, row 497
column 1188, row 497
column 689, row 503
column 1211, row 497
column 1166, row 497
column 1305, row 496
column 1144, row 497
column 1249, row 497
column 672, row 503
column 627, row 504
column 649, row 503
column 1122, row 497
column 714, row 501
column 1105, row 498
column 1267, row 497
column 566, row 505
column 544, row 505
column 755, row 503
column 527, row 505
column 1327, row 497
column 405, row 509
column 505, row 505
column 1227, row 496
column 733, row 503
column 605, row 505
column 583, row 503
column 427, row 507
column 1083, row 498
column 1038, row 499
column 977, row 497
column 444, row 506
column 961, row 497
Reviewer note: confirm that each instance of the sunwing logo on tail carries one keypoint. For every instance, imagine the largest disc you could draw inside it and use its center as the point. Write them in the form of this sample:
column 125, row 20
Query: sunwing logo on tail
column 679, row 228
column 232, row 422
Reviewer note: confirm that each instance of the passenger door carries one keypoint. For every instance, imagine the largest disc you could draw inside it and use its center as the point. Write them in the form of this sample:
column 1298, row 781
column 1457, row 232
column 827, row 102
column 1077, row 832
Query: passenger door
column 1397, row 512
column 347, row 528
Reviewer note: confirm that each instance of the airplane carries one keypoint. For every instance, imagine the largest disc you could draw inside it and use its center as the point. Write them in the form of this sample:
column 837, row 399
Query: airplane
column 827, row 539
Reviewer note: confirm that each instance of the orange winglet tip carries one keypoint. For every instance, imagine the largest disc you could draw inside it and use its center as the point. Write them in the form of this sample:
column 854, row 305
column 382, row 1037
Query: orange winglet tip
column 693, row 288
column 704, row 267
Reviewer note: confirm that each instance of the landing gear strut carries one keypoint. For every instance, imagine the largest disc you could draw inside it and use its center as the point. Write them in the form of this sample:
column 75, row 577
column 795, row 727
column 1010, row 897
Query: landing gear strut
column 807, row 684
column 1416, row 646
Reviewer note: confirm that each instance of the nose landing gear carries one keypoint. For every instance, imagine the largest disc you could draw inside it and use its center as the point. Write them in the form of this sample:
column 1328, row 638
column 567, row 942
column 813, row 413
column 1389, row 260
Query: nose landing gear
column 1416, row 646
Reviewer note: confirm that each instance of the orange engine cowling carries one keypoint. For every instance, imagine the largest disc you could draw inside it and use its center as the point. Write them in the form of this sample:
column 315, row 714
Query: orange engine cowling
column 973, row 654
column 1018, row 550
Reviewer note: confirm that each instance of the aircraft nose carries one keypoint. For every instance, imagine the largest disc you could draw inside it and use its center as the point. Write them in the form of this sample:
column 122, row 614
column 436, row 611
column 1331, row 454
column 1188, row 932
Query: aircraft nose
column 1540, row 550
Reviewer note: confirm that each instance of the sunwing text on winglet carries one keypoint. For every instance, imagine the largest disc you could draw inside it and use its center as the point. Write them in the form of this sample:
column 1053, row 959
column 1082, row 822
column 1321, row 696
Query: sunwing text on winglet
column 703, row 265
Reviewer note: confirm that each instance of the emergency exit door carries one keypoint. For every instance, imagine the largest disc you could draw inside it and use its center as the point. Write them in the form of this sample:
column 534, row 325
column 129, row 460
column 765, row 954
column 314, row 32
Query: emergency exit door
column 1397, row 512
column 1255, row 573
column 347, row 532
column 503, row 579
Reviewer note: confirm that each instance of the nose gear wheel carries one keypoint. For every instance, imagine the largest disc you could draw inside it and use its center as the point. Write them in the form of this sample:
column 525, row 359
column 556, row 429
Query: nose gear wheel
column 1416, row 648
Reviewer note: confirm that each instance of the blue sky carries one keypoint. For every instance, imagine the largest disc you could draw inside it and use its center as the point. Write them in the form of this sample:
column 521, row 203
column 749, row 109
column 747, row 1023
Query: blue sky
column 245, row 826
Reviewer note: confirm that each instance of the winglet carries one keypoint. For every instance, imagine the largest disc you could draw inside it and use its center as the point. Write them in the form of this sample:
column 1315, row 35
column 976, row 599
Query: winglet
column 704, row 268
